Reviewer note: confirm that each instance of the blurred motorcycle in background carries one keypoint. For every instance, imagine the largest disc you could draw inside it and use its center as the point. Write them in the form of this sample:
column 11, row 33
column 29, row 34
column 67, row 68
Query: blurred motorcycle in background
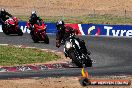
column 12, row 27
column 38, row 32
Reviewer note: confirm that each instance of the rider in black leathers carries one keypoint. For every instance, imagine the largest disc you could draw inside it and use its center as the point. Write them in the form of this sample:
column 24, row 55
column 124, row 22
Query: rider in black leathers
column 3, row 17
column 33, row 20
column 64, row 32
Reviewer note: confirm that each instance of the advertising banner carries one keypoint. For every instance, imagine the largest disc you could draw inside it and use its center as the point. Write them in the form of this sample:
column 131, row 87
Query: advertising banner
column 87, row 29
column 51, row 28
column 107, row 30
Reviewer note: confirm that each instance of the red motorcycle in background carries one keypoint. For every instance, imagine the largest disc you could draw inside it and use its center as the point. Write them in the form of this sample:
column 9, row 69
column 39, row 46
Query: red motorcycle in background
column 12, row 27
column 38, row 32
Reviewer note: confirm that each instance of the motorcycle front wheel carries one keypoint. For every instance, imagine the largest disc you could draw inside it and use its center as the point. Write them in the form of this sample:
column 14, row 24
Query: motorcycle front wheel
column 35, row 40
column 46, row 39
column 6, row 32
column 20, row 33
column 75, row 60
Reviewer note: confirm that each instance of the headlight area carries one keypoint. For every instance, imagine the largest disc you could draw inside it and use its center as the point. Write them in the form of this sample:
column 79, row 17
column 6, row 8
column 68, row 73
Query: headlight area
column 68, row 45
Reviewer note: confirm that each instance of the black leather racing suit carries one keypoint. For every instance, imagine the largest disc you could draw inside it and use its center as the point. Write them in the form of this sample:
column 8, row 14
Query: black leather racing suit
column 3, row 17
column 33, row 20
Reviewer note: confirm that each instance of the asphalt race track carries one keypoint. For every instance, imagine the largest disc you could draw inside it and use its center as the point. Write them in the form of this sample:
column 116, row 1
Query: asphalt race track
column 112, row 56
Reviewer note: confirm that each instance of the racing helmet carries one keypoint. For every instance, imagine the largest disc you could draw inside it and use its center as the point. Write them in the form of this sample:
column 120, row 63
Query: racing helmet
column 3, row 10
column 34, row 12
column 60, row 24
column 34, row 15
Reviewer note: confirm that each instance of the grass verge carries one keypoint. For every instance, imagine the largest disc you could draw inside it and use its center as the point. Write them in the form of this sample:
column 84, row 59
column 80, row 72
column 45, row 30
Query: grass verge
column 10, row 55
column 96, row 19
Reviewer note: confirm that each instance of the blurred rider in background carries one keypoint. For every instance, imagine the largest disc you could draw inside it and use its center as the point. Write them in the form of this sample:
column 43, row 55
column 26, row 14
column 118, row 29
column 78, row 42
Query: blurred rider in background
column 33, row 20
column 4, row 15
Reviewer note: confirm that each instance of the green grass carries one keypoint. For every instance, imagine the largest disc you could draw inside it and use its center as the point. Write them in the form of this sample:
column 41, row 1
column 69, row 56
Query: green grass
column 96, row 19
column 17, row 56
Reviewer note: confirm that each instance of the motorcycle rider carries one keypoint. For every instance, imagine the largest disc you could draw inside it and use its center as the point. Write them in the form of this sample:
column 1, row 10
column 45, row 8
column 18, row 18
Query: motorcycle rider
column 64, row 32
column 3, row 17
column 33, row 20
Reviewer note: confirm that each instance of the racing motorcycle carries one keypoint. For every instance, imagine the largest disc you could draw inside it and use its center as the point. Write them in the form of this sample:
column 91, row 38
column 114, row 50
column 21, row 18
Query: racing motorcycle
column 73, row 51
column 39, row 32
column 12, row 27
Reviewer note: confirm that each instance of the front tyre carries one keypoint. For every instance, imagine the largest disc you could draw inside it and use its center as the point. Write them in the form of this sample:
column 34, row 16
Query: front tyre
column 6, row 32
column 46, row 39
column 88, row 62
column 20, row 33
column 35, row 40
column 75, row 60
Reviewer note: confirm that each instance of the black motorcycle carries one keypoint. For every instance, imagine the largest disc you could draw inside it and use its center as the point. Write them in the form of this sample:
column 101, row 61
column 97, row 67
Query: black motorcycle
column 73, row 51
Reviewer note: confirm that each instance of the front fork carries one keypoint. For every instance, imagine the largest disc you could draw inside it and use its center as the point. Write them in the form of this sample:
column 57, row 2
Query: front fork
column 66, row 52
